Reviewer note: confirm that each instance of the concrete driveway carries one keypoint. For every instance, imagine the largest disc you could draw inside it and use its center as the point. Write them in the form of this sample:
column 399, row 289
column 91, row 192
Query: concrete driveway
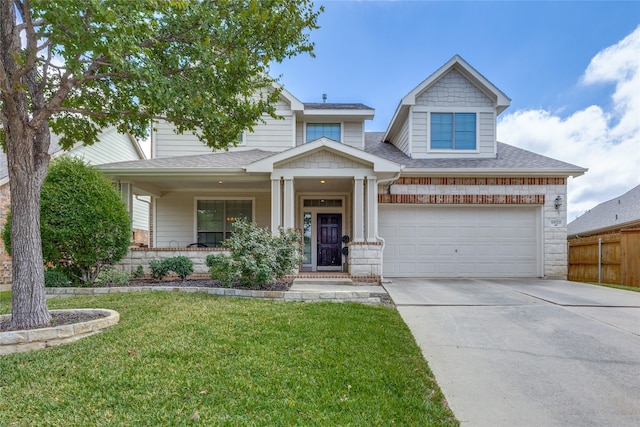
column 528, row 352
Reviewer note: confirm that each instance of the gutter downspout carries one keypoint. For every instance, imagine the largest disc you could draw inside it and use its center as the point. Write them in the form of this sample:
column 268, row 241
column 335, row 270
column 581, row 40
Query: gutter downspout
column 384, row 181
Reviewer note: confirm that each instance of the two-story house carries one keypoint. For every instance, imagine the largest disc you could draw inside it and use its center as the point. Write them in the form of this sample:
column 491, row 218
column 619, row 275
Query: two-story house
column 435, row 195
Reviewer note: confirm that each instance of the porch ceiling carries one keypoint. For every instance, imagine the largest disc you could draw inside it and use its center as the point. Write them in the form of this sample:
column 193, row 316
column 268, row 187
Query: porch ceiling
column 330, row 185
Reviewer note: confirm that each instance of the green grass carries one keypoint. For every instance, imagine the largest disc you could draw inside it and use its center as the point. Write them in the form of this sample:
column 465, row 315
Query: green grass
column 626, row 288
column 177, row 357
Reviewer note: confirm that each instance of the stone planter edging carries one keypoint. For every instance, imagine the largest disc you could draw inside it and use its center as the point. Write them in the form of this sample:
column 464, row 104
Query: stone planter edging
column 36, row 339
column 303, row 296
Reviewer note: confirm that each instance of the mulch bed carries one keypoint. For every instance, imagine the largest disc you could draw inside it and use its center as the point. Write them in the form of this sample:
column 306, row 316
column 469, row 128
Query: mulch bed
column 206, row 283
column 57, row 319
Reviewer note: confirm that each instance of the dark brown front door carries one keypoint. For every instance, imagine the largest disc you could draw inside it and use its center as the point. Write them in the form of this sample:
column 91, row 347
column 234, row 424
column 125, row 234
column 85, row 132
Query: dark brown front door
column 329, row 240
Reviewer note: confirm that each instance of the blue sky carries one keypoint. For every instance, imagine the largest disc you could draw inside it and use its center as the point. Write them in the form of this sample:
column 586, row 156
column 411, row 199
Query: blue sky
column 571, row 68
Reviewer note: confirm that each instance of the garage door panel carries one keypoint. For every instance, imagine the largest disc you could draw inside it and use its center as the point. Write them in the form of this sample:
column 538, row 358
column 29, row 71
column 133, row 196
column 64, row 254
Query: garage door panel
column 460, row 241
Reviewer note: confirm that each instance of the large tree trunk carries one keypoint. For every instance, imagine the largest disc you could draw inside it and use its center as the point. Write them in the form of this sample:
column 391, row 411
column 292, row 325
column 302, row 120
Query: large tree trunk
column 29, row 306
column 27, row 147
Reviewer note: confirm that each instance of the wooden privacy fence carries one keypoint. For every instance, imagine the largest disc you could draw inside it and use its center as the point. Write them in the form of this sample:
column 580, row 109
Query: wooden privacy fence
column 610, row 258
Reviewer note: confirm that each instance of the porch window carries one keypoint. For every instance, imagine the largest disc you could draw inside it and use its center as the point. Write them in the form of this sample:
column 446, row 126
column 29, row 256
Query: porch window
column 318, row 130
column 453, row 131
column 215, row 219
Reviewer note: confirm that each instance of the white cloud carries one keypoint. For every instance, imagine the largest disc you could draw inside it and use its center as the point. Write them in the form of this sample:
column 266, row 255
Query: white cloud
column 606, row 142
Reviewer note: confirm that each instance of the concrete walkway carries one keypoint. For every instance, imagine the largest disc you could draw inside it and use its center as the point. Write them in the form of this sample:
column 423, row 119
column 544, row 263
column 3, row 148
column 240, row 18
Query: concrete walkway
column 528, row 352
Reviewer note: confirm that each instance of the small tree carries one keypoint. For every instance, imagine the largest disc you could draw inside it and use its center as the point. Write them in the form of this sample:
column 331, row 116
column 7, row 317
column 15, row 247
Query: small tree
column 83, row 223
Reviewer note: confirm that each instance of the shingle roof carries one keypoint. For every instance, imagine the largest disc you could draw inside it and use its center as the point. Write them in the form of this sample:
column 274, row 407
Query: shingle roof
column 509, row 157
column 613, row 213
column 335, row 106
column 226, row 159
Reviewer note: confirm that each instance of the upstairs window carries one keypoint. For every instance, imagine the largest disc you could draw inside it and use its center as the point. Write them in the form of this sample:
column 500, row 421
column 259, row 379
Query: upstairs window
column 453, row 131
column 215, row 219
column 318, row 130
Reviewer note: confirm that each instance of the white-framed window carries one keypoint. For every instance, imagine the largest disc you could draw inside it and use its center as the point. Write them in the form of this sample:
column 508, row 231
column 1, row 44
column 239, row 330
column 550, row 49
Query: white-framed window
column 215, row 218
column 453, row 131
column 319, row 130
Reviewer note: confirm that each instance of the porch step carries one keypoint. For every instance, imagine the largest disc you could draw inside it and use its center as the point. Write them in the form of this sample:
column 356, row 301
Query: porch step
column 322, row 281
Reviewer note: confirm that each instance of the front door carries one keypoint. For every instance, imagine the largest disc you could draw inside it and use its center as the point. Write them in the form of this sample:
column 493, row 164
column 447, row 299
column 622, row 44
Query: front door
column 329, row 240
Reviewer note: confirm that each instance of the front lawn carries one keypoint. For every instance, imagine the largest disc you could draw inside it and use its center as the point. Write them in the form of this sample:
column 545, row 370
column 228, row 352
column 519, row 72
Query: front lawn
column 182, row 359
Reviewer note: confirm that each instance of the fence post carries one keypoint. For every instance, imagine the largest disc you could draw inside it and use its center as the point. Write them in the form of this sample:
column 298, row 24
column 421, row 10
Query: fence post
column 599, row 259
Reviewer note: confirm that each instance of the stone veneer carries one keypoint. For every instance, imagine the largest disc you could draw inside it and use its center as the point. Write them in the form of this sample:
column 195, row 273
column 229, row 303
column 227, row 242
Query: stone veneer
column 497, row 191
column 365, row 260
column 143, row 256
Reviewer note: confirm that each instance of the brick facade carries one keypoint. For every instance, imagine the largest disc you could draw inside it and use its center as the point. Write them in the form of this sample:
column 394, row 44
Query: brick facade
column 5, row 259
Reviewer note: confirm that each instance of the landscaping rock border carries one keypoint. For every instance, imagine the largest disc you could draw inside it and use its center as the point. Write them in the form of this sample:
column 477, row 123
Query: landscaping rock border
column 36, row 339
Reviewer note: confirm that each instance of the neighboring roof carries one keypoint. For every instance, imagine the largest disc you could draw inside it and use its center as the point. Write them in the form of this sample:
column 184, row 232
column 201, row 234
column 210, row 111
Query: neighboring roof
column 502, row 101
column 510, row 160
column 619, row 212
column 339, row 110
column 335, row 106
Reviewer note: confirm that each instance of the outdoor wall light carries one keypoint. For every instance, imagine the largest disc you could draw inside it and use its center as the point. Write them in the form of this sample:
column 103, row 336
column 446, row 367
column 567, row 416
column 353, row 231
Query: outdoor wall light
column 558, row 202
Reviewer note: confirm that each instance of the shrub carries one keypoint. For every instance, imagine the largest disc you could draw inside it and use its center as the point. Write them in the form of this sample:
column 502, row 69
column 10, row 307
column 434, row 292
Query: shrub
column 181, row 265
column 257, row 257
column 111, row 277
column 159, row 269
column 54, row 278
column 84, row 224
column 138, row 273
column 221, row 267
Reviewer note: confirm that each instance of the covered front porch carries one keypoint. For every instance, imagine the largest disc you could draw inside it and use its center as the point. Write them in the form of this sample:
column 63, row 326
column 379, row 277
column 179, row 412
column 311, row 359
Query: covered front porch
column 325, row 190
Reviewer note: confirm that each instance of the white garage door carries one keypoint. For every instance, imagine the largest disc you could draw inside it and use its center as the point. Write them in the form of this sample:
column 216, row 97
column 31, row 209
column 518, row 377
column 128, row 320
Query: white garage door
column 460, row 241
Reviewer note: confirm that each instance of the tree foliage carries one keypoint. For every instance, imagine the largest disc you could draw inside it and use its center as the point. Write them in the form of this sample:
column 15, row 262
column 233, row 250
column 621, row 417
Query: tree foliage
column 75, row 67
column 84, row 224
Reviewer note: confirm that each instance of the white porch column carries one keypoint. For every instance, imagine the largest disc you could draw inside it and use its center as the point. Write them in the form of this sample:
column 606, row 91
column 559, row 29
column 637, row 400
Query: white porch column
column 372, row 208
column 358, row 210
column 276, row 205
column 288, row 204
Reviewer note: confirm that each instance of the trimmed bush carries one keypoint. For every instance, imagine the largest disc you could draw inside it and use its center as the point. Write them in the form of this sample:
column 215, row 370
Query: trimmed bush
column 84, row 224
column 180, row 265
column 257, row 257
column 112, row 277
column 54, row 278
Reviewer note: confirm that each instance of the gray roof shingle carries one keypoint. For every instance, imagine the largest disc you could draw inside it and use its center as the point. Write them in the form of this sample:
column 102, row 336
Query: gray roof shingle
column 613, row 213
column 335, row 106
column 509, row 157
column 226, row 159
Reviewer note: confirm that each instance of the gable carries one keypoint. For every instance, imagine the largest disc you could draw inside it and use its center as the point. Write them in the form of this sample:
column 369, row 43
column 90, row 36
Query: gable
column 453, row 90
column 322, row 159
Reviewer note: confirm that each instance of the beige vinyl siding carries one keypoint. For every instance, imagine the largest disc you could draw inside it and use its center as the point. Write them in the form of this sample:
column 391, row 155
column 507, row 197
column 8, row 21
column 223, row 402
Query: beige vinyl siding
column 300, row 133
column 402, row 140
column 420, row 135
column 140, row 213
column 111, row 147
column 274, row 134
column 353, row 133
column 487, row 134
column 175, row 215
